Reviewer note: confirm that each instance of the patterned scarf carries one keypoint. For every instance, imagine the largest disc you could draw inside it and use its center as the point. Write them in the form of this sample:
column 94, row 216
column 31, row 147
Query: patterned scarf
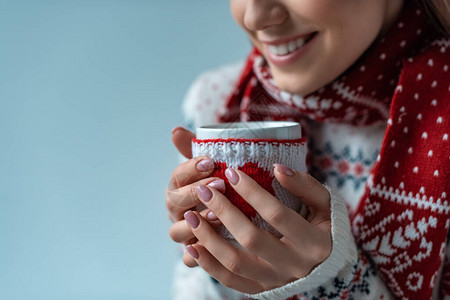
column 402, row 79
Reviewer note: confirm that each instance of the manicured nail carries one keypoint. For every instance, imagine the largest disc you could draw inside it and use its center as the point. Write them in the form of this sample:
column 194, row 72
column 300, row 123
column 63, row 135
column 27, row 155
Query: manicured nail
column 192, row 219
column 191, row 250
column 218, row 185
column 204, row 193
column 232, row 176
column 284, row 170
column 211, row 216
column 205, row 165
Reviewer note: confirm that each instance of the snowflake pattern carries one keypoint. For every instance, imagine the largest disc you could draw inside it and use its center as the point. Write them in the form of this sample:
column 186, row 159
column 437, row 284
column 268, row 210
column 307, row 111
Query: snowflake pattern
column 328, row 164
column 355, row 286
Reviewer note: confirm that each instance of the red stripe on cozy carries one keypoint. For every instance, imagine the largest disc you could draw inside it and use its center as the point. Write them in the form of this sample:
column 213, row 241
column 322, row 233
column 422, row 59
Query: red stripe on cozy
column 249, row 141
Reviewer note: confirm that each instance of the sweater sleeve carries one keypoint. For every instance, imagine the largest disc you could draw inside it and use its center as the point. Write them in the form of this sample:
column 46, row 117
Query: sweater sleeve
column 346, row 274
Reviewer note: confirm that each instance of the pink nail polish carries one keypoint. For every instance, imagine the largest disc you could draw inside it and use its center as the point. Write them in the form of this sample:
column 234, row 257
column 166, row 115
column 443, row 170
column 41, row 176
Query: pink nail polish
column 204, row 193
column 218, row 185
column 284, row 170
column 191, row 250
column 211, row 216
column 205, row 165
column 232, row 176
column 192, row 219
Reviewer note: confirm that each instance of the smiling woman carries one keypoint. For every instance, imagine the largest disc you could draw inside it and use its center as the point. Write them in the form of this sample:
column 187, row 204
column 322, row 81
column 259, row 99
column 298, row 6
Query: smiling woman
column 369, row 83
column 325, row 30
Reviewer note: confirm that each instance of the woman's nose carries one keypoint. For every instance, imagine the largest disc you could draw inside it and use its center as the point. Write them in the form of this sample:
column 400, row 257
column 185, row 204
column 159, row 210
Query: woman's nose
column 261, row 14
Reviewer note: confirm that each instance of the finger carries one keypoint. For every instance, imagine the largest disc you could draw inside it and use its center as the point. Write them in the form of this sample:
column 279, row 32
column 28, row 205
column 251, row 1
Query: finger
column 182, row 139
column 312, row 193
column 188, row 260
column 171, row 218
column 180, row 200
column 227, row 278
column 316, row 197
column 282, row 218
column 180, row 231
column 191, row 171
column 235, row 260
column 248, row 235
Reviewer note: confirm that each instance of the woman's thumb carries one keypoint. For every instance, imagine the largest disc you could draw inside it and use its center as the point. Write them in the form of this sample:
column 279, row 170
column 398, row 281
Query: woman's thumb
column 182, row 139
column 310, row 191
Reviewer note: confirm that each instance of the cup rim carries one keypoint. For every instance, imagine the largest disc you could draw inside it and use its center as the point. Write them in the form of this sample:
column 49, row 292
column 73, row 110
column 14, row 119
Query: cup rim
column 285, row 130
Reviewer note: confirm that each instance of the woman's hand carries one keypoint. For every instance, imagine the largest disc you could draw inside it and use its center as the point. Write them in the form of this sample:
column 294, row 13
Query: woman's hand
column 181, row 194
column 265, row 262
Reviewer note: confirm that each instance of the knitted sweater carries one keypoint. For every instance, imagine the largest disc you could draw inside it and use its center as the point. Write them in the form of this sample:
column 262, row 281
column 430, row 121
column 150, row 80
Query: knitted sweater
column 341, row 156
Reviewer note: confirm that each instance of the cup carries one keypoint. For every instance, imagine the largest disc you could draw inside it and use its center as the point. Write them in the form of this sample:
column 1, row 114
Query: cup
column 253, row 147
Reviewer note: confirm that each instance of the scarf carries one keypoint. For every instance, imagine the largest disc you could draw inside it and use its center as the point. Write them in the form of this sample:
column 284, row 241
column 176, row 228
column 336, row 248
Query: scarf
column 402, row 79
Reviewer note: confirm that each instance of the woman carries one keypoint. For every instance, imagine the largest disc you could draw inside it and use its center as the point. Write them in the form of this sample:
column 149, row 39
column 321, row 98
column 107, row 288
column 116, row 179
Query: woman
column 370, row 83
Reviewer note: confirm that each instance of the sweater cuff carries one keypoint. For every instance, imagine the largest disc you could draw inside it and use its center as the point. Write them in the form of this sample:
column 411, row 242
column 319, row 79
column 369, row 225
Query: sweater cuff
column 343, row 253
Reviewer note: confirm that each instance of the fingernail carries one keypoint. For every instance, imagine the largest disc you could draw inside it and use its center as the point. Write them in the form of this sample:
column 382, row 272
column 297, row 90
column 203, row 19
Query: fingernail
column 205, row 165
column 204, row 193
column 232, row 176
column 176, row 129
column 192, row 219
column 191, row 250
column 211, row 216
column 284, row 170
column 218, row 185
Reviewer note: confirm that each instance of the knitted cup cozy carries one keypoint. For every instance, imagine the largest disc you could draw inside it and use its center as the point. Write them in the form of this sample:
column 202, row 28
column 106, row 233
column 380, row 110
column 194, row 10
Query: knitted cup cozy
column 255, row 158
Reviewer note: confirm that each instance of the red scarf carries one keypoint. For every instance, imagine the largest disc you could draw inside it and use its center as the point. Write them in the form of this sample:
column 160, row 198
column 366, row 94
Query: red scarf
column 404, row 80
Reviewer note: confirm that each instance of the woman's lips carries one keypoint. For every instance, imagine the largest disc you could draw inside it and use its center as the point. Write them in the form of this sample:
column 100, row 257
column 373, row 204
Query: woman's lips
column 285, row 54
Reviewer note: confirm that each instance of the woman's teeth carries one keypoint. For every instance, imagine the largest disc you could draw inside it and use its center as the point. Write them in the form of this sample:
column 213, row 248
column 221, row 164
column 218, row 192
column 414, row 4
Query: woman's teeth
column 285, row 49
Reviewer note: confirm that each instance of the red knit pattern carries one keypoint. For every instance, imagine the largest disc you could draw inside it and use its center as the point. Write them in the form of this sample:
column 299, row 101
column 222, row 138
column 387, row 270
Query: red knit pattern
column 403, row 218
column 410, row 181
column 262, row 177
column 256, row 159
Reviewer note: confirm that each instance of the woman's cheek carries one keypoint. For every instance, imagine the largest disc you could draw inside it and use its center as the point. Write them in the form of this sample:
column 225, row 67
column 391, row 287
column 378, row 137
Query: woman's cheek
column 238, row 11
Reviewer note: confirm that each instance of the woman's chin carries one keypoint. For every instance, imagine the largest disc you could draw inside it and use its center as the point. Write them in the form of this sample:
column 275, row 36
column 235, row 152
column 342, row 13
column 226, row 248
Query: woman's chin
column 297, row 85
column 295, row 88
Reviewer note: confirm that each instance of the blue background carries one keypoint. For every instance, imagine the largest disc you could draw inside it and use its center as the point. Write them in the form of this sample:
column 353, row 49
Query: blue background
column 89, row 93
